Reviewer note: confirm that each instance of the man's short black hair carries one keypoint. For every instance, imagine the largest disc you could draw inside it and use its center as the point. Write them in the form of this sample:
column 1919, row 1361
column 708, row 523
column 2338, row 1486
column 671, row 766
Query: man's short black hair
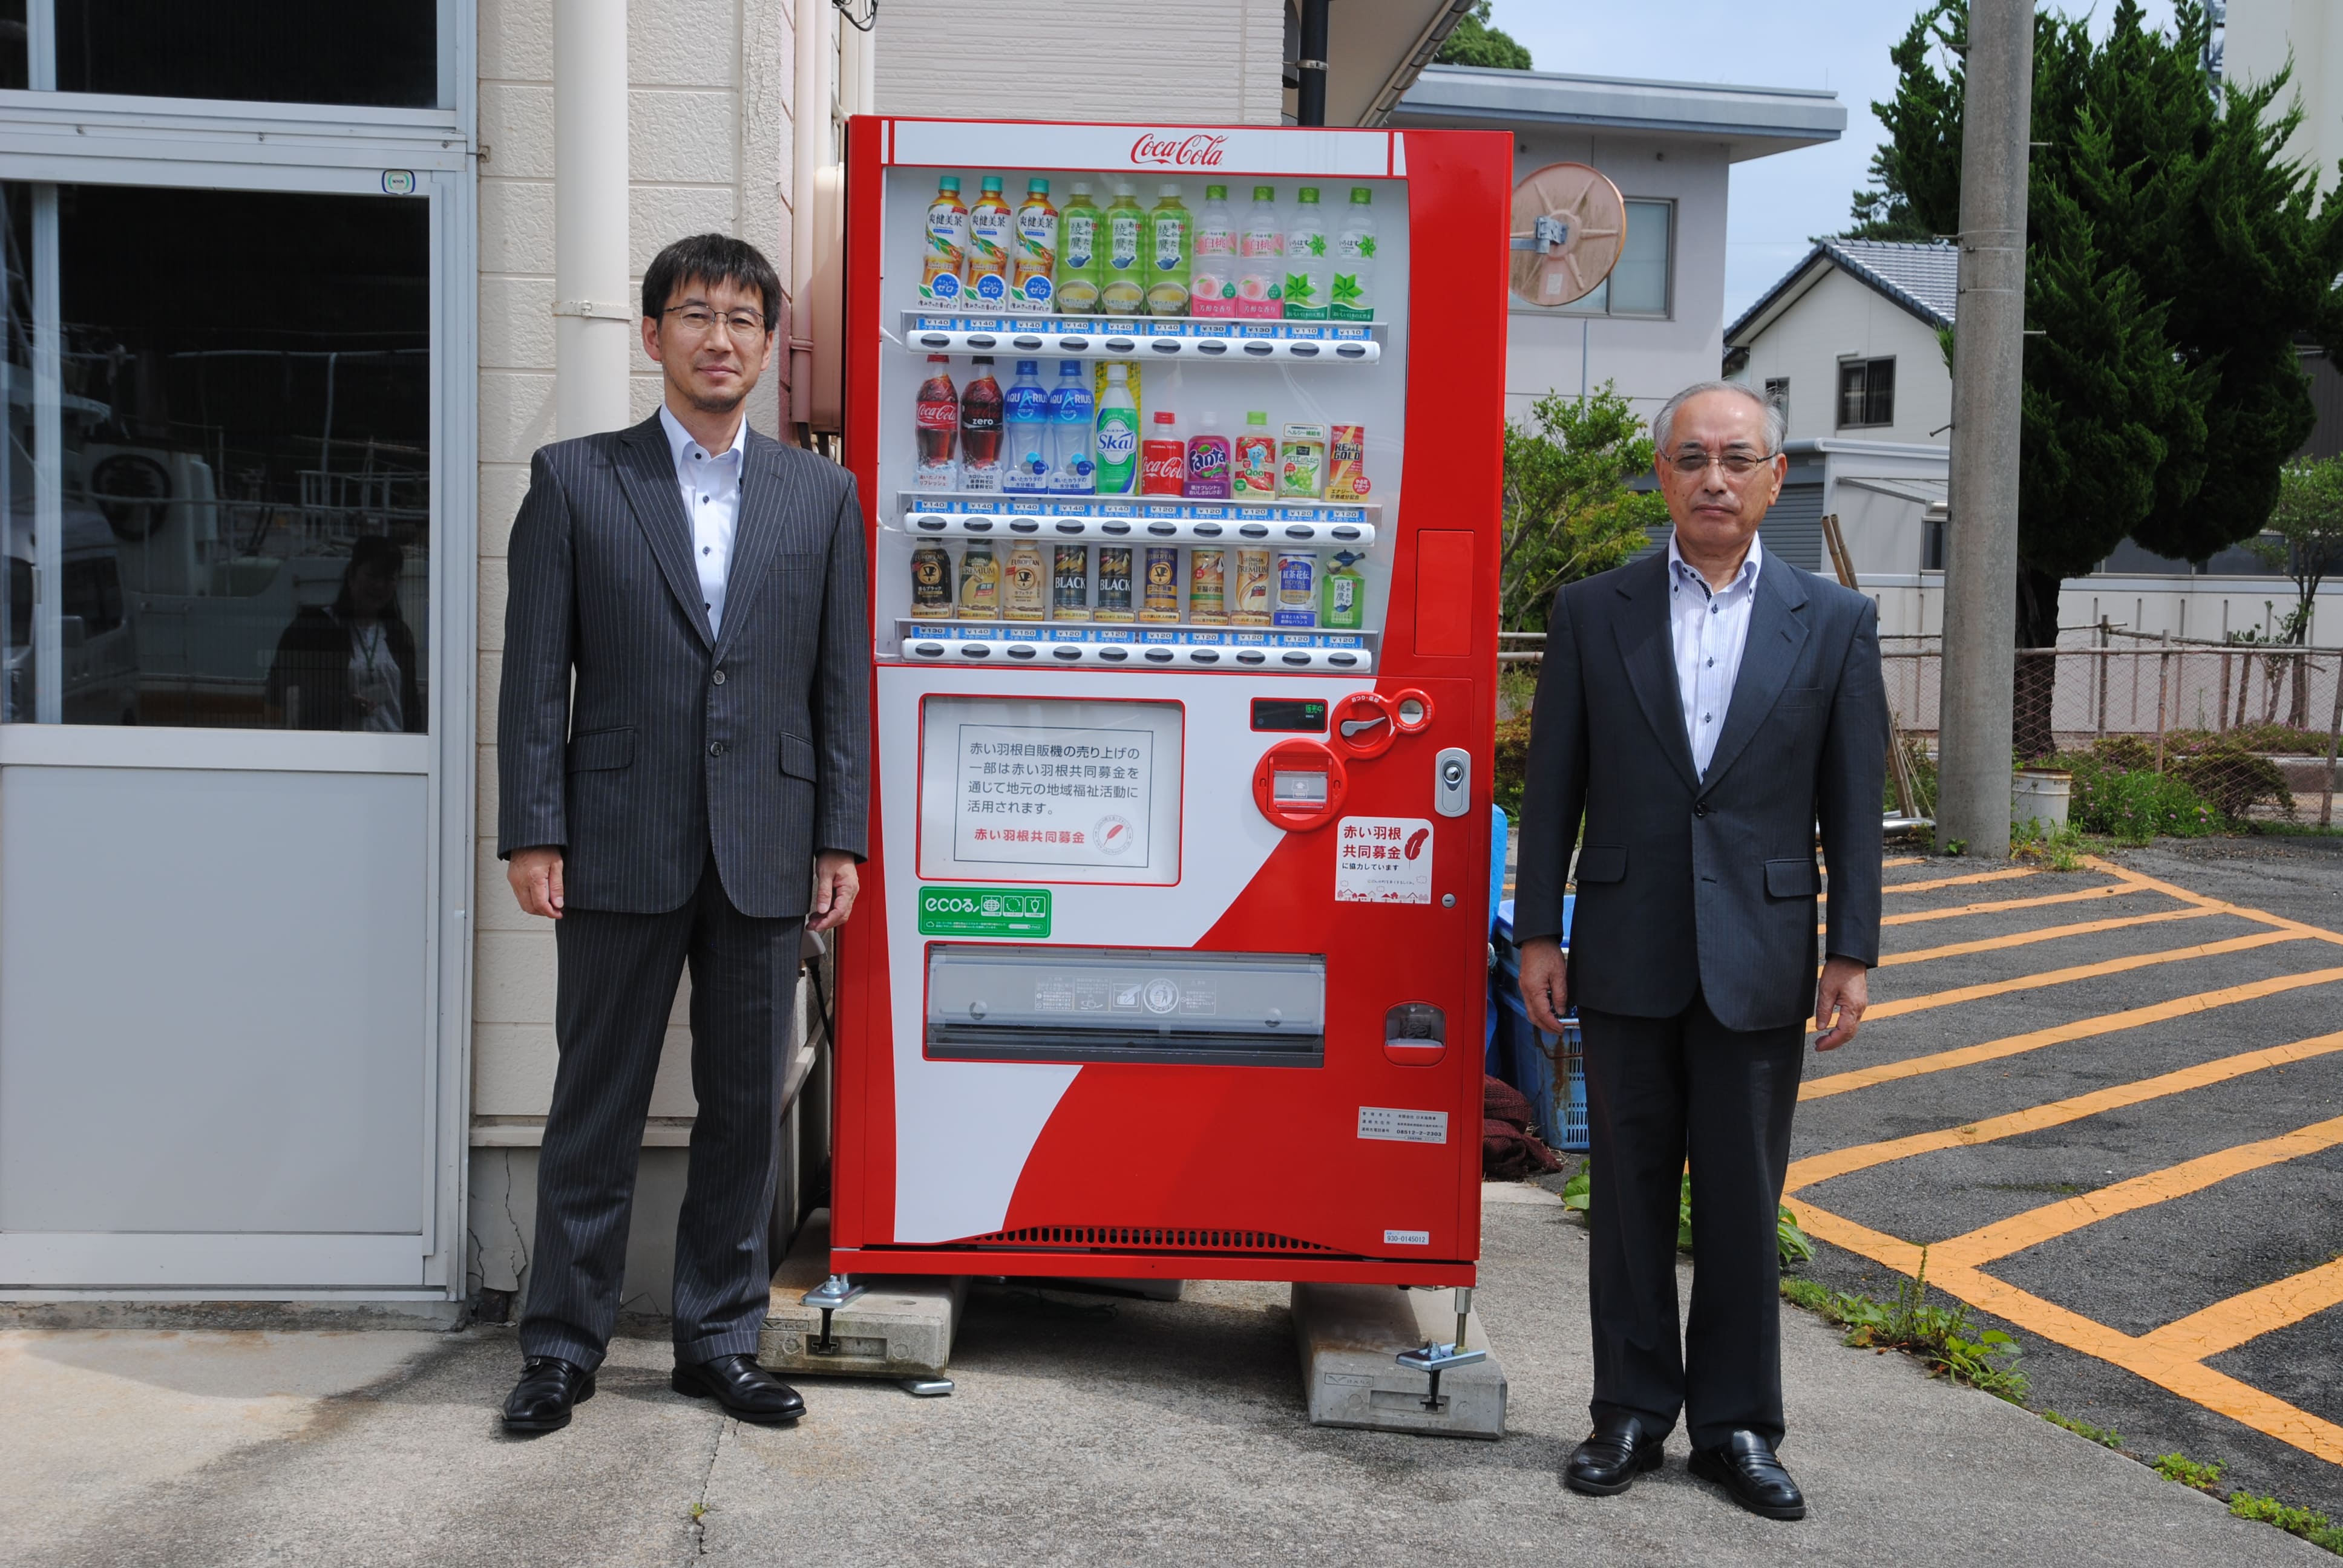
column 711, row 258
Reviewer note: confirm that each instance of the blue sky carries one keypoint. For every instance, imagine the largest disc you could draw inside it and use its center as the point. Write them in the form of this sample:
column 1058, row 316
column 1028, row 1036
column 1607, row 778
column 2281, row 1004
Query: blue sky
column 1779, row 202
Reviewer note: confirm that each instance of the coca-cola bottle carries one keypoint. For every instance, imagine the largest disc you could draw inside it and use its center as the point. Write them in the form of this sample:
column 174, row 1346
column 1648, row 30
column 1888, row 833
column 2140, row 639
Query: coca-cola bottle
column 980, row 427
column 939, row 412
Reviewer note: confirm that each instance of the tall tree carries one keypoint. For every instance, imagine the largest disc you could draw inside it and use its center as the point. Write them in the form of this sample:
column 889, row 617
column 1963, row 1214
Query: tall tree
column 1476, row 43
column 2174, row 255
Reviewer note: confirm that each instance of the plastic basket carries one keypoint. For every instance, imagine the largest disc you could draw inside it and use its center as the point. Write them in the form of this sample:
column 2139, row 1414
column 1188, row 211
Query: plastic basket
column 1550, row 1073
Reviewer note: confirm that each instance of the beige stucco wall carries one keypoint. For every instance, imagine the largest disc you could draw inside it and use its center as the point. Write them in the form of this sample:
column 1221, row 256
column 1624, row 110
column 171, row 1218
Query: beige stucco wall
column 1841, row 318
column 709, row 148
column 2261, row 32
column 1206, row 62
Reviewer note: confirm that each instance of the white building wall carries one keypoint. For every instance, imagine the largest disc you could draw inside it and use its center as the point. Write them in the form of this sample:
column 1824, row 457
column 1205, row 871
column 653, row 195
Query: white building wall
column 2261, row 34
column 1207, row 62
column 1841, row 318
column 1651, row 360
column 708, row 130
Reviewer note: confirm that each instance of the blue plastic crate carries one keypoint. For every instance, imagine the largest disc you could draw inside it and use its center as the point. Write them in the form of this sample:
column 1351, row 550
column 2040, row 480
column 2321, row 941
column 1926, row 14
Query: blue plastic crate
column 1550, row 1073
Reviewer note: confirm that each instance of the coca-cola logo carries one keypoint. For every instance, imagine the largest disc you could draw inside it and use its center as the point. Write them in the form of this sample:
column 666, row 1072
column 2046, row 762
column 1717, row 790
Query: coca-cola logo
column 1196, row 152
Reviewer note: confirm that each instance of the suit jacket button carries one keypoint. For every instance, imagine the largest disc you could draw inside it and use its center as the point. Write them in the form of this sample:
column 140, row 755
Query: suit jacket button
column 716, row 749
column 717, row 678
column 1700, row 811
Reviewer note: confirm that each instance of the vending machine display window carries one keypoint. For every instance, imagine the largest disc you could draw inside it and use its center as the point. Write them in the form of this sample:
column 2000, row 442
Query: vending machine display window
column 989, row 1003
column 1050, row 790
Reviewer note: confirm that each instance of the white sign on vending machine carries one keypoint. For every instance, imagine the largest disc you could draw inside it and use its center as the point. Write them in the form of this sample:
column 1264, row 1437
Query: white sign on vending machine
column 1383, row 860
column 1052, row 794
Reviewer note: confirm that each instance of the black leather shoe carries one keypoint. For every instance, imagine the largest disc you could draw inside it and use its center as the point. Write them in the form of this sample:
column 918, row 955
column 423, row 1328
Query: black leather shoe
column 1744, row 1464
column 1619, row 1449
column 547, row 1389
column 742, row 1387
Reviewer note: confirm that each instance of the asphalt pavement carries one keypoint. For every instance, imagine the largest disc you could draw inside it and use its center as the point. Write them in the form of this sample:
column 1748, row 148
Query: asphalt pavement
column 1084, row 1431
column 2198, row 1180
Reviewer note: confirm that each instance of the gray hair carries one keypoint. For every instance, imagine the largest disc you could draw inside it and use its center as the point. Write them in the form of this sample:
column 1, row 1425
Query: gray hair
column 1777, row 421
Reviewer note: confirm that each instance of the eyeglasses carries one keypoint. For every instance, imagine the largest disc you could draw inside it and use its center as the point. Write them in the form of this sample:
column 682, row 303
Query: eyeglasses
column 698, row 321
column 1736, row 465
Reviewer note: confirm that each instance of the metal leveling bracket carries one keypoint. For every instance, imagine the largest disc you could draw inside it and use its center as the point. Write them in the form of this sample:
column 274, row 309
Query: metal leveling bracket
column 1434, row 1358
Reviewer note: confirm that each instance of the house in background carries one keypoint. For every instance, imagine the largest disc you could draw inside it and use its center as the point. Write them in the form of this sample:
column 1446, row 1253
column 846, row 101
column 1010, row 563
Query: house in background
column 1656, row 325
column 1849, row 341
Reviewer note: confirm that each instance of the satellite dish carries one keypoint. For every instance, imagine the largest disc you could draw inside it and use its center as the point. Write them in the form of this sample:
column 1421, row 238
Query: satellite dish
column 1569, row 225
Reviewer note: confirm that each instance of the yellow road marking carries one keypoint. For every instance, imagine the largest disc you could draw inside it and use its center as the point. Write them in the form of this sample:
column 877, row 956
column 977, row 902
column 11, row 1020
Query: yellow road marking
column 2020, row 939
column 2080, row 971
column 2147, row 1356
column 2219, row 906
column 1818, row 1168
column 2225, row 1326
column 2081, row 1029
column 2108, row 890
column 1904, row 860
column 1958, row 881
column 2036, row 1226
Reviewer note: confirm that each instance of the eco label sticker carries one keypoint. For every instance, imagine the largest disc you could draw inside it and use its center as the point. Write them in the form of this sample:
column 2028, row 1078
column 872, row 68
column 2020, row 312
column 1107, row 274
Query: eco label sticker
column 984, row 911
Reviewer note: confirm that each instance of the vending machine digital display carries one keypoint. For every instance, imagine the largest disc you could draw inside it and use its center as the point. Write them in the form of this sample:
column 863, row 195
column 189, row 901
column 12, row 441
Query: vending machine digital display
column 1181, row 448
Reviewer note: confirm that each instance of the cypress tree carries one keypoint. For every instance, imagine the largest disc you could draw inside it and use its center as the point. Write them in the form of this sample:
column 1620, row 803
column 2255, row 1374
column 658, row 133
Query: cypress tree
column 2174, row 257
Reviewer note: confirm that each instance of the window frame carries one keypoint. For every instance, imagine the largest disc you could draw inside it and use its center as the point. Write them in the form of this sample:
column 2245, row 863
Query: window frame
column 1865, row 364
column 1517, row 306
column 48, row 139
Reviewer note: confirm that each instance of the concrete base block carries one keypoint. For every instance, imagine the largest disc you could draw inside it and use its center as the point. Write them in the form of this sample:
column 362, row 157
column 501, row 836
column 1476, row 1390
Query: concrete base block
column 1348, row 1334
column 1145, row 1290
column 901, row 1325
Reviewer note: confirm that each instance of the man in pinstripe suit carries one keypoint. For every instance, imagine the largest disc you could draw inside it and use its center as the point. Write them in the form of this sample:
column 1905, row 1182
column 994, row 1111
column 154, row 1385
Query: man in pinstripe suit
column 682, row 758
column 1703, row 709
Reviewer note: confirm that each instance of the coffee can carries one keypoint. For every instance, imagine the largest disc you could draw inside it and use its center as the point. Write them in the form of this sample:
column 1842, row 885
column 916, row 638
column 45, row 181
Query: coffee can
column 1255, row 589
column 1113, row 583
column 1160, row 599
column 1207, row 578
column 1071, row 583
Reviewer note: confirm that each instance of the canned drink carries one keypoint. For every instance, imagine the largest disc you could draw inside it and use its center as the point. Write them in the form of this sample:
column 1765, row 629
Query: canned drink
column 1208, row 576
column 1346, row 463
column 1113, row 583
column 931, row 582
column 1025, row 584
column 1070, row 585
column 1160, row 599
column 1297, row 591
column 979, row 582
column 1301, row 462
column 1254, row 588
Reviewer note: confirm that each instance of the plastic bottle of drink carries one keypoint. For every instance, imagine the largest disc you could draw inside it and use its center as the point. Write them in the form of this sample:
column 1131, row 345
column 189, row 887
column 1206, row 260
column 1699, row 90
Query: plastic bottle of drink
column 1071, row 472
column 980, row 427
column 1118, row 436
column 1171, row 229
column 1261, row 249
column 1025, row 417
column 1253, row 464
column 939, row 414
column 991, row 232
column 1030, row 285
column 1342, row 595
column 1208, row 461
column 1307, row 276
column 1122, row 270
column 1078, row 253
column 1163, row 461
column 1211, row 269
column 946, row 259
column 1354, row 294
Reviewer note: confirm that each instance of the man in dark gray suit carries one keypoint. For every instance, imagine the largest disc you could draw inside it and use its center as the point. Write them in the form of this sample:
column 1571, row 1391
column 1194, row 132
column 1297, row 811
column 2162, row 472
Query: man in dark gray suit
column 682, row 750
column 1703, row 709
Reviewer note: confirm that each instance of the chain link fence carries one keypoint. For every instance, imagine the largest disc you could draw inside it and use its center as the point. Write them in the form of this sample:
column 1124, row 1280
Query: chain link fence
column 2160, row 734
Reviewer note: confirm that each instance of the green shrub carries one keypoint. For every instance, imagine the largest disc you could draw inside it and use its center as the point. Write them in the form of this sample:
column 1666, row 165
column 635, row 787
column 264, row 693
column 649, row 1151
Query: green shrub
column 2299, row 1521
column 2144, row 806
column 2232, row 780
column 1944, row 1341
column 2179, row 1467
column 1513, row 763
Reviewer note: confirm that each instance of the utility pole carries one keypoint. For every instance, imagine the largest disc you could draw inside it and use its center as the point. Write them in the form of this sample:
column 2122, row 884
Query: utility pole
column 1988, row 374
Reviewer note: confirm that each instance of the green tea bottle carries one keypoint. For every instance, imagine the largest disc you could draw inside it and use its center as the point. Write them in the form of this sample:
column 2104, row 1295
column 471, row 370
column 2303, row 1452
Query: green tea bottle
column 1342, row 597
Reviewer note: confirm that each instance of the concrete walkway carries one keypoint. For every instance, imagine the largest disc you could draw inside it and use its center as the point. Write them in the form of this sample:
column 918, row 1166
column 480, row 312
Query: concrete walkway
column 1083, row 1432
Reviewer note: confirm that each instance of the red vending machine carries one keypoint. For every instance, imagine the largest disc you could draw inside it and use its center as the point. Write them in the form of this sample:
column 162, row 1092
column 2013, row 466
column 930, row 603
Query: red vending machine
column 1182, row 450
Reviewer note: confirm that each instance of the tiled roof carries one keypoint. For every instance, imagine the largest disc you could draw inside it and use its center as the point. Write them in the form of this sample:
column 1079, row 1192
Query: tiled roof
column 1921, row 278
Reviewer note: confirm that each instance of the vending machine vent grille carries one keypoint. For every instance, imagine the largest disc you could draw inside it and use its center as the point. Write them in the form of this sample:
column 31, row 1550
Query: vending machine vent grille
column 1148, row 1238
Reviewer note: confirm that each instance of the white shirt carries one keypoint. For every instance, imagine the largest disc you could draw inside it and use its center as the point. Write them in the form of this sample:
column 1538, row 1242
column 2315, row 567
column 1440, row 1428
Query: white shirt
column 1710, row 630
column 711, row 483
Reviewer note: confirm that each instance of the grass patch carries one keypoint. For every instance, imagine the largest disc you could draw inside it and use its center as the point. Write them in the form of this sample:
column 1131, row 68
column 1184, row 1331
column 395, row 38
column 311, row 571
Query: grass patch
column 2179, row 1467
column 1791, row 1245
column 1945, row 1340
column 2101, row 1435
column 2294, row 1521
column 2062, row 850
